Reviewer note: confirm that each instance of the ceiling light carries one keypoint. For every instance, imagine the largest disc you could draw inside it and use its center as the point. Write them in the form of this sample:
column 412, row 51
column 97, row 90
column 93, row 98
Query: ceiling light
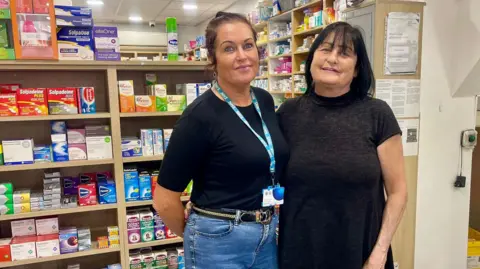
column 95, row 2
column 189, row 6
column 135, row 18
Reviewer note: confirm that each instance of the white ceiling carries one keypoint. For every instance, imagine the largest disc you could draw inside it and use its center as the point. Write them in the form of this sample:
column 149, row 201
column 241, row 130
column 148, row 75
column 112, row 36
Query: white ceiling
column 118, row 11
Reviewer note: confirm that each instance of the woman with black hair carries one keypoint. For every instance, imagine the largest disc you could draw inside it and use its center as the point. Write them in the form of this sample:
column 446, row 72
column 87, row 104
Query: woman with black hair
column 345, row 154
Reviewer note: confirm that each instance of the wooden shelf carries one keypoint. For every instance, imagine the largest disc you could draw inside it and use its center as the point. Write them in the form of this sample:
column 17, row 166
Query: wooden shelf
column 102, row 115
column 299, row 73
column 143, row 159
column 284, row 16
column 280, row 75
column 60, row 257
column 311, row 4
column 262, row 43
column 262, row 77
column 150, row 114
column 280, row 56
column 310, row 31
column 260, row 25
column 156, row 243
column 100, row 65
column 62, row 211
column 283, row 38
column 279, row 92
column 304, row 52
column 150, row 202
column 52, row 165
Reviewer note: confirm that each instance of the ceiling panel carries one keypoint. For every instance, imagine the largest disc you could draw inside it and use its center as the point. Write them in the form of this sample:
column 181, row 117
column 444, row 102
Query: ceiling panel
column 200, row 6
column 107, row 10
column 148, row 9
column 181, row 13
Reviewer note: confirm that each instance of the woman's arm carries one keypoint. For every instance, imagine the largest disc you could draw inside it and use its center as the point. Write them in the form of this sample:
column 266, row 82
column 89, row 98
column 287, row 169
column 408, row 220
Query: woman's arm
column 391, row 158
column 168, row 205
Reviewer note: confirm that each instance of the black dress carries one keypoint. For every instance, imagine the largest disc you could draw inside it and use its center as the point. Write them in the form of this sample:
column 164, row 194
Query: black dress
column 334, row 189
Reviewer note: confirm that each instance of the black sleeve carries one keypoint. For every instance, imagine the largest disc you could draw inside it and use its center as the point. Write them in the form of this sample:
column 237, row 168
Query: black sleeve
column 187, row 148
column 386, row 123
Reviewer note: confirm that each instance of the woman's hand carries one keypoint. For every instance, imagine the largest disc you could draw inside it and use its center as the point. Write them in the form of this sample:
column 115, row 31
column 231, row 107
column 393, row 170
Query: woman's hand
column 376, row 260
column 188, row 209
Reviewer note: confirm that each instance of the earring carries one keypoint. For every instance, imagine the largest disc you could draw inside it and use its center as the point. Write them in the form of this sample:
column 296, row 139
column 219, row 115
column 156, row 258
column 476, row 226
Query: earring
column 214, row 74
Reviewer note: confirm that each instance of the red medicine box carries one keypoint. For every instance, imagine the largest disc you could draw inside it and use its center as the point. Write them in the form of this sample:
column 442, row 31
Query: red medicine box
column 32, row 102
column 9, row 88
column 87, row 194
column 62, row 101
column 5, row 255
column 8, row 105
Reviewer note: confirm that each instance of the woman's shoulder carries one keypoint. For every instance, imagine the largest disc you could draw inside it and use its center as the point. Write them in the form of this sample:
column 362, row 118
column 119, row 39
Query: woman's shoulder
column 291, row 105
column 376, row 105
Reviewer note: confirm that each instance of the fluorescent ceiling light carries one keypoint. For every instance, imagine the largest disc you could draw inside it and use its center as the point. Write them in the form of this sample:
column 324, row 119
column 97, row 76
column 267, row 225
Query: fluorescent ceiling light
column 189, row 6
column 95, row 2
column 135, row 18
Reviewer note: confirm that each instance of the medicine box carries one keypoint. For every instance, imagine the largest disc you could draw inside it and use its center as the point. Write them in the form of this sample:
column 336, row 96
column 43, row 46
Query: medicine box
column 107, row 193
column 189, row 90
column 62, row 101
column 60, row 151
column 150, row 79
column 160, row 93
column 203, row 87
column 131, row 148
column 145, row 103
column 24, row 6
column 42, row 153
column 161, row 258
column 73, row 11
column 76, row 21
column 76, row 136
column 21, row 196
column 23, row 248
column 86, row 100
column 21, row 208
column 87, row 194
column 32, row 102
column 146, row 136
column 70, row 185
column 146, row 225
column 6, row 199
column 77, row 152
column 167, row 133
column 9, row 88
column 99, row 147
column 6, row 209
column 68, row 240
column 133, row 227
column 176, row 103
column 58, row 127
column 75, row 43
column 58, row 138
column 41, row 6
column 127, row 96
column 84, row 239
column 5, row 255
column 132, row 188
column 8, row 105
column 97, row 130
column 107, row 45
column 23, row 227
column 145, row 185
column 157, row 142
column 6, row 188
column 48, row 245
column 36, row 197
column 46, row 226
column 18, row 151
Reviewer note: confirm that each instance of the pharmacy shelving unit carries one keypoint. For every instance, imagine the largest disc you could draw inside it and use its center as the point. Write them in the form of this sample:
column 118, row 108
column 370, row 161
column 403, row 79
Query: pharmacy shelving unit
column 295, row 16
column 103, row 76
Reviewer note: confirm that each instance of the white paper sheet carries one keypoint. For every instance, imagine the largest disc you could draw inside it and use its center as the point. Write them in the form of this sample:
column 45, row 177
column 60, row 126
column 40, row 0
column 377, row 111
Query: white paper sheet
column 402, row 95
column 410, row 135
column 401, row 43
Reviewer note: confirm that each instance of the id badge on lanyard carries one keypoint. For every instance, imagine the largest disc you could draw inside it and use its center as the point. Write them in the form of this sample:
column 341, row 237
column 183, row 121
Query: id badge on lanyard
column 273, row 195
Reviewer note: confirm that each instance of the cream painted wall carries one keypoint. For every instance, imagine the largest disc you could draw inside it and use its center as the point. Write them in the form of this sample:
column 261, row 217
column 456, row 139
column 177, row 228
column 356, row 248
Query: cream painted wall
column 443, row 211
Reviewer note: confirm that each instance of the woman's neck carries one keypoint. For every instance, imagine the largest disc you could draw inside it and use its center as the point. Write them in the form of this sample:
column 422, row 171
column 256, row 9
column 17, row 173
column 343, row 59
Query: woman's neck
column 328, row 91
column 239, row 94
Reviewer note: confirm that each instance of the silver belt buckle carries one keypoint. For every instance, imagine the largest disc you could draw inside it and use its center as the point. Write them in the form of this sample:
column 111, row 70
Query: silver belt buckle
column 263, row 217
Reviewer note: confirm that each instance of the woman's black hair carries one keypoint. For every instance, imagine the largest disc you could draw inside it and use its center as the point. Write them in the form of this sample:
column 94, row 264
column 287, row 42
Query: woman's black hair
column 345, row 35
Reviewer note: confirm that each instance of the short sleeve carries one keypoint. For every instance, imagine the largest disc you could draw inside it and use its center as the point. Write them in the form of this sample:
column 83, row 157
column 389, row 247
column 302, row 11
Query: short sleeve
column 187, row 148
column 386, row 123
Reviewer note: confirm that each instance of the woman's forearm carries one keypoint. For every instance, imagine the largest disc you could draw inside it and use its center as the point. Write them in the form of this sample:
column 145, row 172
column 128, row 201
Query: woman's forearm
column 392, row 215
column 170, row 209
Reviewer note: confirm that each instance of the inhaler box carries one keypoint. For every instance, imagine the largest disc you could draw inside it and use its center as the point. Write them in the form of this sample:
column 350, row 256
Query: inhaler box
column 60, row 151
column 8, row 105
column 157, row 142
column 131, row 148
column 62, row 101
column 99, row 147
column 73, row 11
column 32, row 102
column 127, row 96
column 107, row 193
column 86, row 100
column 145, row 185
column 107, row 45
column 132, row 188
column 146, row 136
column 76, row 21
column 75, row 43
column 18, row 151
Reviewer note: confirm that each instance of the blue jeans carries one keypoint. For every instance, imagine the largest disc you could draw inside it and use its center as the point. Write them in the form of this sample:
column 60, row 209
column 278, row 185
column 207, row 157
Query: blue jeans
column 224, row 244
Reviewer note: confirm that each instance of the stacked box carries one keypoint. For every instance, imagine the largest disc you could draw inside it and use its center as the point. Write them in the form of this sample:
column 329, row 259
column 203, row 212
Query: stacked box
column 75, row 43
column 52, row 193
column 62, row 101
column 145, row 185
column 131, row 184
column 47, row 245
column 157, row 142
column 131, row 147
column 47, row 226
column 36, row 202
column 8, row 105
column 86, row 100
column 107, row 45
column 84, row 239
column 133, row 227
column 113, row 236
column 59, row 141
column 87, row 194
column 107, row 193
column 77, row 148
column 68, row 240
column 18, row 151
column 21, row 201
column 23, row 247
column 42, row 153
column 6, row 198
column 146, row 225
column 146, row 136
column 5, row 254
column 32, row 102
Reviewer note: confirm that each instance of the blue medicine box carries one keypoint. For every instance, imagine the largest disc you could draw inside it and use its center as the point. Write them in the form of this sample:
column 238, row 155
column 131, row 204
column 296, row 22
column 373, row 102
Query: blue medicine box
column 107, row 193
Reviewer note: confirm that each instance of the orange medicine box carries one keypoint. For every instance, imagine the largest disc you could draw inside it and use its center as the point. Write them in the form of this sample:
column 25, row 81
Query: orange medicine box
column 8, row 105
column 145, row 103
column 5, row 255
column 127, row 97
column 32, row 102
column 62, row 101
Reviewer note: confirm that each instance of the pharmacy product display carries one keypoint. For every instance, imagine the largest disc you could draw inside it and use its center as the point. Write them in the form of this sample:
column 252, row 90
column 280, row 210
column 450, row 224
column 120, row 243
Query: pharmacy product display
column 144, row 225
column 158, row 259
column 43, row 237
column 18, row 101
column 150, row 143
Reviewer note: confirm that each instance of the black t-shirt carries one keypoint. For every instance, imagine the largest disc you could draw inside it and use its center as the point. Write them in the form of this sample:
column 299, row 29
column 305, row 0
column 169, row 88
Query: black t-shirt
column 228, row 164
column 334, row 186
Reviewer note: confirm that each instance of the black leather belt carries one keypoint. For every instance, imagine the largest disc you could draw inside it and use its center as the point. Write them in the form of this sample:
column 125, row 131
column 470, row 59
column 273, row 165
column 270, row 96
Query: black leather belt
column 263, row 216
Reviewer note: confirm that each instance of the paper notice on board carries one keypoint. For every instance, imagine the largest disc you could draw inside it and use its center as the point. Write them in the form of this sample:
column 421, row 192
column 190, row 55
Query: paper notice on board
column 402, row 95
column 401, row 43
column 410, row 135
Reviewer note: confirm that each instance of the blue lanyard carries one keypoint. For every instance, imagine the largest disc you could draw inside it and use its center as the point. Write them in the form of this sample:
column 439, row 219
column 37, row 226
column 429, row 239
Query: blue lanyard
column 268, row 144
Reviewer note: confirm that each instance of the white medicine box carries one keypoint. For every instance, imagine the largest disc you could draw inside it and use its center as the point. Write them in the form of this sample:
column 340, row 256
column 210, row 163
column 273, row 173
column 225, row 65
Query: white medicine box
column 18, row 151
column 23, row 227
column 47, row 226
column 99, row 147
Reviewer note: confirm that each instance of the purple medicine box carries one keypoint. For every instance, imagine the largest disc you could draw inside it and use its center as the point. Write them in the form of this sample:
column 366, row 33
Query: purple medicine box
column 107, row 45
